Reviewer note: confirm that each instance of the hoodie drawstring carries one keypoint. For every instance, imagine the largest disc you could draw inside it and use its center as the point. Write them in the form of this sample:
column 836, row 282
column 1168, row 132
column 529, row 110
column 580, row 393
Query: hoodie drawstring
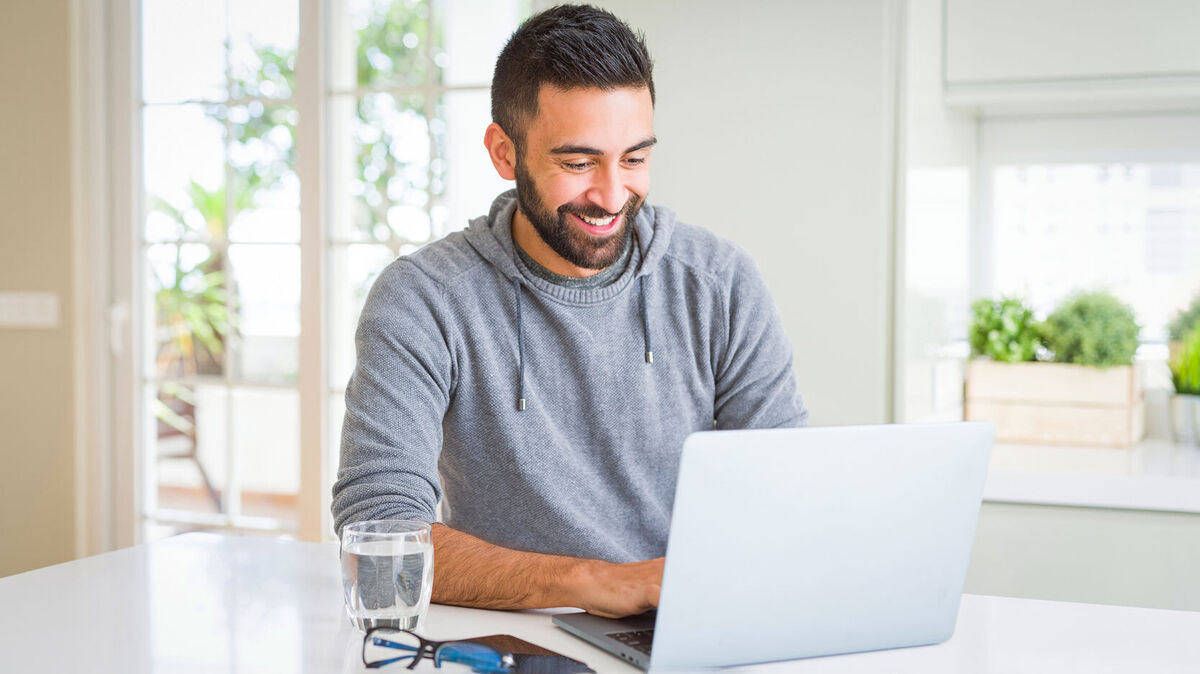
column 645, row 319
column 520, row 350
column 521, row 336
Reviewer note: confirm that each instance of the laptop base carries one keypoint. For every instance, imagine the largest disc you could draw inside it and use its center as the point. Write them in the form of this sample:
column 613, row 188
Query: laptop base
column 596, row 631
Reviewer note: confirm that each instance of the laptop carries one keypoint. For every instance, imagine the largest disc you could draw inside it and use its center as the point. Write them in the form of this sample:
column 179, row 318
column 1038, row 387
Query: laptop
column 796, row 543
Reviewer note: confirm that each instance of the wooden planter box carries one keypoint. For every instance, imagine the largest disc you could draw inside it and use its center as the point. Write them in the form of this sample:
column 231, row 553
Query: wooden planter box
column 1056, row 403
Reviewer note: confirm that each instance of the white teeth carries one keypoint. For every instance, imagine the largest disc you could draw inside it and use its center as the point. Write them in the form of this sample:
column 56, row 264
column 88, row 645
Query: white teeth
column 598, row 222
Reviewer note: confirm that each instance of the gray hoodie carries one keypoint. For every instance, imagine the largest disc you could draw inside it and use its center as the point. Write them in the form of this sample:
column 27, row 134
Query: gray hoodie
column 454, row 337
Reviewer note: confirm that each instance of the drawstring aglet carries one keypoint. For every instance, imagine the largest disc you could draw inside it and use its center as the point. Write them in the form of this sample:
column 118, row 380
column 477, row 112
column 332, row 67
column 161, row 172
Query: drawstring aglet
column 649, row 356
column 520, row 404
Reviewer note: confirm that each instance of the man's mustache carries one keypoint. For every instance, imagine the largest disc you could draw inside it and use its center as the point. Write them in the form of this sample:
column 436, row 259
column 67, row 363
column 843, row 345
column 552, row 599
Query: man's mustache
column 600, row 212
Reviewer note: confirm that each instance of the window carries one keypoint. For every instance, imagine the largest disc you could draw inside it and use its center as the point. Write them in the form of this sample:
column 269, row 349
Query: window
column 221, row 238
column 937, row 217
column 1129, row 228
column 220, row 246
column 1041, row 207
column 1106, row 202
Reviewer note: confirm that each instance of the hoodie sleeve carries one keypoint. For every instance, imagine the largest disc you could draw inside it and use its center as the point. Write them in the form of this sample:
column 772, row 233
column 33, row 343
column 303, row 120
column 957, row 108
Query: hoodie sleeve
column 755, row 382
column 395, row 402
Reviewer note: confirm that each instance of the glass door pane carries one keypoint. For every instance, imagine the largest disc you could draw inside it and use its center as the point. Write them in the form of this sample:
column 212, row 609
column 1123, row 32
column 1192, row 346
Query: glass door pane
column 220, row 249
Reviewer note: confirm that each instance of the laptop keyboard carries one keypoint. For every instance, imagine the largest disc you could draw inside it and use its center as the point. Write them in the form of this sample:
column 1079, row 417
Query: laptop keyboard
column 638, row 640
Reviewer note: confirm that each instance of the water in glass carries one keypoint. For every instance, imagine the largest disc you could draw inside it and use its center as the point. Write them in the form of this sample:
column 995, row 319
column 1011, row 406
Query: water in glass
column 387, row 582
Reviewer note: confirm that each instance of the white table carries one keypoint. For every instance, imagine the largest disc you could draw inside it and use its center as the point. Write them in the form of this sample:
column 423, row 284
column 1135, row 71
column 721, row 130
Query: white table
column 208, row 603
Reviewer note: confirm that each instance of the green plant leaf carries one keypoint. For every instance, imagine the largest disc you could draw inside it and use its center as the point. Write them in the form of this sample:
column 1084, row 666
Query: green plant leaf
column 1092, row 328
column 170, row 417
column 1184, row 321
column 1185, row 367
column 1003, row 330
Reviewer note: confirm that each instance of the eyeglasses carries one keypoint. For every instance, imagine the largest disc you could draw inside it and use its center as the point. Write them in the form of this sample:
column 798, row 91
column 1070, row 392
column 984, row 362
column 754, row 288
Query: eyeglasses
column 385, row 645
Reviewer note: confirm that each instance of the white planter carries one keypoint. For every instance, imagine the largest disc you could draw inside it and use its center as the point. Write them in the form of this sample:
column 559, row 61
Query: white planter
column 1056, row 403
column 1185, row 419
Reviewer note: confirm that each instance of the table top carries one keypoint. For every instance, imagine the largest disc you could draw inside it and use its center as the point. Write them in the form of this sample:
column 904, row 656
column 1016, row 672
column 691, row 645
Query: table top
column 212, row 603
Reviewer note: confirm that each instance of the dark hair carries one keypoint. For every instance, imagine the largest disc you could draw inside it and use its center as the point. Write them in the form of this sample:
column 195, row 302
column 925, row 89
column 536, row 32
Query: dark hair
column 568, row 46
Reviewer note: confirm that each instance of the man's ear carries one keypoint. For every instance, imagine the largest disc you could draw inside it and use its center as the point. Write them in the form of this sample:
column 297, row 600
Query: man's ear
column 502, row 150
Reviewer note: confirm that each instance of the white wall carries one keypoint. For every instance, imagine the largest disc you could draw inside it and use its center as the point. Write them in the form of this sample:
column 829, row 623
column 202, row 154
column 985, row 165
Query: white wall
column 1092, row 555
column 940, row 154
column 1137, row 558
column 1064, row 40
column 772, row 119
column 775, row 130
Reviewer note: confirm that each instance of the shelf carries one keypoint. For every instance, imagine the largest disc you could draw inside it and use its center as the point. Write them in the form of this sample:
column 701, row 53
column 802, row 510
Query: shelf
column 1152, row 475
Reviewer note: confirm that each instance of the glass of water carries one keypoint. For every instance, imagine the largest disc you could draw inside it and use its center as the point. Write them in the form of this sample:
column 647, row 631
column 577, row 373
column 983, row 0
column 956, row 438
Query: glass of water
column 387, row 573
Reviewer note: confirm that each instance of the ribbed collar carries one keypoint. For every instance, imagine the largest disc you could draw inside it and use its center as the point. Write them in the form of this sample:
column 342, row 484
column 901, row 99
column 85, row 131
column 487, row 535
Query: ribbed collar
column 492, row 238
column 600, row 279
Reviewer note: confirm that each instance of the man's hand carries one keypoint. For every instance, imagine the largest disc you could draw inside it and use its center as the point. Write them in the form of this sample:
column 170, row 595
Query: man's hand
column 619, row 590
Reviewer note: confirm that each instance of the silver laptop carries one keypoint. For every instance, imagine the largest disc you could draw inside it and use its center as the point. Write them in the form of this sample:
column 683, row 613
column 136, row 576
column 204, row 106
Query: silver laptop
column 804, row 542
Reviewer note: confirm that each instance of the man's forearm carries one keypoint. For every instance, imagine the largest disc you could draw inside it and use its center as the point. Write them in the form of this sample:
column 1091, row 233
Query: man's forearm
column 471, row 572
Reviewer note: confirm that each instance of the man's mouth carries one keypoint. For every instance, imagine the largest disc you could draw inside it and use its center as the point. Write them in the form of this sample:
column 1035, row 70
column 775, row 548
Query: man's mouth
column 598, row 226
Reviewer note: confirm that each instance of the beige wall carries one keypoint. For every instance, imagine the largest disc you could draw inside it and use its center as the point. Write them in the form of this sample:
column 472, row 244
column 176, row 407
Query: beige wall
column 36, row 456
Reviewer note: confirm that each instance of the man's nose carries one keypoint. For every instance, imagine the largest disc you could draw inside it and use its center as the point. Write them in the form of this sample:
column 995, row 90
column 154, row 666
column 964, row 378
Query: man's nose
column 607, row 191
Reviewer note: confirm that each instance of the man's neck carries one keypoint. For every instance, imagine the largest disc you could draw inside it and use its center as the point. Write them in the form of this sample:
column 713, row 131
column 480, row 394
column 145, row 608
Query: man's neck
column 528, row 239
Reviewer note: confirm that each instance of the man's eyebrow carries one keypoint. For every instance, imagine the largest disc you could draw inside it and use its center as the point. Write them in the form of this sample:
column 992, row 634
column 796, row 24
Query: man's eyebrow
column 644, row 144
column 584, row 149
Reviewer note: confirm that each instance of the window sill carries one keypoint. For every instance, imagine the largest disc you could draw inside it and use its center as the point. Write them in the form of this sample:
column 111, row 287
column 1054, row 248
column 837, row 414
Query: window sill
column 1152, row 475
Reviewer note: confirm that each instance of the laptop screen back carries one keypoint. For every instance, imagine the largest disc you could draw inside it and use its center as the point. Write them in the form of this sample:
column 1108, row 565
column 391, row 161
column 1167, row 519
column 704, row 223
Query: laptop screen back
column 804, row 542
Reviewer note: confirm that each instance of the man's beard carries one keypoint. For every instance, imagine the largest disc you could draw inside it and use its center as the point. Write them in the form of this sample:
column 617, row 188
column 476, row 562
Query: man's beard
column 570, row 242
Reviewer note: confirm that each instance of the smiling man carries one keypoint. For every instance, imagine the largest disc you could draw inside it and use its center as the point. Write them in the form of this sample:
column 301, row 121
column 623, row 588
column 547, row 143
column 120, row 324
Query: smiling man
column 507, row 370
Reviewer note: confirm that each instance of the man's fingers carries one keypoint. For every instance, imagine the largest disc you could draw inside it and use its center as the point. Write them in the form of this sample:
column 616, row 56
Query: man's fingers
column 652, row 594
column 631, row 589
column 632, row 604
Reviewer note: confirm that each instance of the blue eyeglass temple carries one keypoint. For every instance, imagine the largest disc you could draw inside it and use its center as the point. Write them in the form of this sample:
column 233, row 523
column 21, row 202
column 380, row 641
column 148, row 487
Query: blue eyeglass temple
column 386, row 643
column 481, row 659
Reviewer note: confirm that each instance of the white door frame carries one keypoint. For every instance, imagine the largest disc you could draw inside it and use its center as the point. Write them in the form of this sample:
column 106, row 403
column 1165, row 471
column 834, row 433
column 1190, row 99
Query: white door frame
column 105, row 170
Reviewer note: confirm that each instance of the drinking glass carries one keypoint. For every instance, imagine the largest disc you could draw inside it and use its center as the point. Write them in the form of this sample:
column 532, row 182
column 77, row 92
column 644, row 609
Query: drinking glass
column 387, row 573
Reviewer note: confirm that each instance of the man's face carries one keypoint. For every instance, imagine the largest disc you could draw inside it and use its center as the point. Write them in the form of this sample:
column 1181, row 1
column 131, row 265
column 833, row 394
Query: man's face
column 584, row 170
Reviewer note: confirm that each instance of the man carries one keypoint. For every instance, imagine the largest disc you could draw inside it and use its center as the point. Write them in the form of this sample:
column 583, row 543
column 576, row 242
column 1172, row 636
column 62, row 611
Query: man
column 507, row 370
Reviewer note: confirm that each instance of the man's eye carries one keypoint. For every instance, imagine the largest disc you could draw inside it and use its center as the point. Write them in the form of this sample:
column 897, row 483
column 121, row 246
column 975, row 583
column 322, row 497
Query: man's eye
column 577, row 167
column 636, row 161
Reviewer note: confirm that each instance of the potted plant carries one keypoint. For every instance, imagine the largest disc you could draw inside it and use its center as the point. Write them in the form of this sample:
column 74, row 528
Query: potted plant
column 1181, row 324
column 1088, row 395
column 1185, row 377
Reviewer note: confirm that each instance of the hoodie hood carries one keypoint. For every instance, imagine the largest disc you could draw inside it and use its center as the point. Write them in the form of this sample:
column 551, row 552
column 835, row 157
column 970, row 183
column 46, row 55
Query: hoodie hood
column 491, row 235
